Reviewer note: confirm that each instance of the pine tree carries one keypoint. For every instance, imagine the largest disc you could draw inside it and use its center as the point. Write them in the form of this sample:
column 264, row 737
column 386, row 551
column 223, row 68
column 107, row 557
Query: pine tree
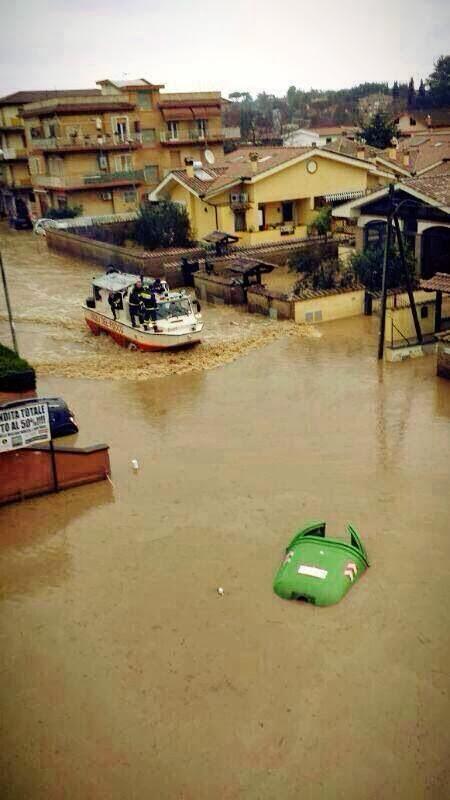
column 379, row 131
column 421, row 98
column 411, row 94
column 395, row 92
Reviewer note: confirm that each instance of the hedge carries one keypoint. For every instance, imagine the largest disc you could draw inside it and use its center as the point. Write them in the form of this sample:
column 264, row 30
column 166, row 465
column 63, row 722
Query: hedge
column 16, row 375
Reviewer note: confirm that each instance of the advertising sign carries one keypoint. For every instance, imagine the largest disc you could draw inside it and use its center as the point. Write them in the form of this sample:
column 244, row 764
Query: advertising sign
column 24, row 424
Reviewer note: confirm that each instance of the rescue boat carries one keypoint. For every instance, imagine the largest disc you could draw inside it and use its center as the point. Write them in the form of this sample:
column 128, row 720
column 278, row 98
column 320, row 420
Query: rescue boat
column 173, row 321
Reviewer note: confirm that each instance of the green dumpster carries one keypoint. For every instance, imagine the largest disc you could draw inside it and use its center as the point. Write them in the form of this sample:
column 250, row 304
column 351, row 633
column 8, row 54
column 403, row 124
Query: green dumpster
column 320, row 570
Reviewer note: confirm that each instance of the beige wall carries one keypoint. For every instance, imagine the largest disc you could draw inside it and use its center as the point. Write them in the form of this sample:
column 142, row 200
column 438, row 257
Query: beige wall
column 330, row 307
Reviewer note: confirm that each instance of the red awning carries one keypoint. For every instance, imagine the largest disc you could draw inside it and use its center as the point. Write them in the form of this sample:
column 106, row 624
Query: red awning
column 175, row 114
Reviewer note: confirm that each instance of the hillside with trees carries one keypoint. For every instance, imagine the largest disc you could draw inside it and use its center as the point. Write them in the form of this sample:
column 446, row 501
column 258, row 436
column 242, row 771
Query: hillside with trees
column 268, row 117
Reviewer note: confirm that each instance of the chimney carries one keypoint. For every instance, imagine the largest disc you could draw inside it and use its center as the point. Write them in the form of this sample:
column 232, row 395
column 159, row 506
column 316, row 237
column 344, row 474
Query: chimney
column 189, row 167
column 406, row 159
column 361, row 153
column 254, row 162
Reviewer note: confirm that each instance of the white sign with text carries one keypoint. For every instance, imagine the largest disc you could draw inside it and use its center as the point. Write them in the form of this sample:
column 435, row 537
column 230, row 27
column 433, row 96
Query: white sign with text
column 23, row 425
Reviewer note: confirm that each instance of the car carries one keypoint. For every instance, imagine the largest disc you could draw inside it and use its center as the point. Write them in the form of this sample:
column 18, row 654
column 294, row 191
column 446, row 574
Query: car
column 62, row 419
column 20, row 223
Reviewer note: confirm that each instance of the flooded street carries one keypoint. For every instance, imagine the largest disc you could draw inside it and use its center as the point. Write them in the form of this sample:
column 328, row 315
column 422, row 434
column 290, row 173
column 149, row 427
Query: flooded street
column 125, row 676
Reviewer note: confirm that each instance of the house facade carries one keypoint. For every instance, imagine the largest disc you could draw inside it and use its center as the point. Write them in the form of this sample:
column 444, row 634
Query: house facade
column 103, row 150
column 317, row 137
column 424, row 210
column 267, row 194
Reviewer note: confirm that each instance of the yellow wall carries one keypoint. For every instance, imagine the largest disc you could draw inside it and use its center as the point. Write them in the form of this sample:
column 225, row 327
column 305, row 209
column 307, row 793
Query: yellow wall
column 403, row 320
column 335, row 306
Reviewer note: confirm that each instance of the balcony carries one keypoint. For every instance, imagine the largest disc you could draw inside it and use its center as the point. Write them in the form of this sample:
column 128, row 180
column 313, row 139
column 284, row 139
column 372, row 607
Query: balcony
column 85, row 143
column 101, row 180
column 13, row 124
column 192, row 136
column 15, row 154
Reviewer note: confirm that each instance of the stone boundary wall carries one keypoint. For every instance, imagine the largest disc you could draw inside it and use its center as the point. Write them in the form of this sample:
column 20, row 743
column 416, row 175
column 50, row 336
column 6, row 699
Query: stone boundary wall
column 157, row 264
column 167, row 262
column 270, row 303
column 28, row 472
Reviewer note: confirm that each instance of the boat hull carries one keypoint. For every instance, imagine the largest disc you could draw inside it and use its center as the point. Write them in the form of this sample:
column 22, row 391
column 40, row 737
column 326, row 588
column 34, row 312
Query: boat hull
column 137, row 338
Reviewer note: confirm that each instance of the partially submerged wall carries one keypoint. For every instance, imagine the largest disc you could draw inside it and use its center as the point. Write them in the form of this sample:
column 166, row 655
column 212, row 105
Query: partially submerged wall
column 28, row 472
column 157, row 264
column 328, row 305
column 443, row 359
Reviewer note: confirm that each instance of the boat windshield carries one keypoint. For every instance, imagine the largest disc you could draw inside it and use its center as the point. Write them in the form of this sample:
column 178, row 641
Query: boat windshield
column 173, row 308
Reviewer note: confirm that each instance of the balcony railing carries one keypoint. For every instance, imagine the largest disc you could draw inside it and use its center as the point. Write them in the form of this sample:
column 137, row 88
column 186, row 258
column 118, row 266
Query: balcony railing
column 91, row 100
column 192, row 135
column 72, row 181
column 90, row 141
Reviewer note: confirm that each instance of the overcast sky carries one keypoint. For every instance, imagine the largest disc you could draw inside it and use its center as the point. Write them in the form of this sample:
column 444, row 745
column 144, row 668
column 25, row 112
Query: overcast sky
column 233, row 46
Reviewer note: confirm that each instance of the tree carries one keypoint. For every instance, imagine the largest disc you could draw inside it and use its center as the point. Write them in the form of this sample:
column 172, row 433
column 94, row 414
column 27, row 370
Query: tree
column 379, row 131
column 367, row 267
column 163, row 224
column 395, row 92
column 439, row 83
column 421, row 99
column 322, row 222
column 411, row 94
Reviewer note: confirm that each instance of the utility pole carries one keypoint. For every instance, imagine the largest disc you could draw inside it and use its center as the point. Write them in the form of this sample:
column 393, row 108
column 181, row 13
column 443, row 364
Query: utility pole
column 392, row 217
column 409, row 288
column 8, row 306
column 387, row 247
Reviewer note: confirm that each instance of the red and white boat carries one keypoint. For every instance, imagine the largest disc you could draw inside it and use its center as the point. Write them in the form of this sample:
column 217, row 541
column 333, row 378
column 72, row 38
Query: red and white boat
column 173, row 321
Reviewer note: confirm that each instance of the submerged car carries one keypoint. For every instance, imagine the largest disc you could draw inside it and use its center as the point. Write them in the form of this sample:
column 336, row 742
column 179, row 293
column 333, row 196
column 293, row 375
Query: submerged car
column 62, row 419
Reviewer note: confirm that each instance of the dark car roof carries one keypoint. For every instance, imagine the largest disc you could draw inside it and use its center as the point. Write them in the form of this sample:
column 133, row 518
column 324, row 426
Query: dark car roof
column 55, row 401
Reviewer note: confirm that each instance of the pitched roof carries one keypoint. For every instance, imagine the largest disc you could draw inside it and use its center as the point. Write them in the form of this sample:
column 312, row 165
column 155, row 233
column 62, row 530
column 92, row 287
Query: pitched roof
column 238, row 166
column 21, row 98
column 350, row 147
column 436, row 186
column 440, row 282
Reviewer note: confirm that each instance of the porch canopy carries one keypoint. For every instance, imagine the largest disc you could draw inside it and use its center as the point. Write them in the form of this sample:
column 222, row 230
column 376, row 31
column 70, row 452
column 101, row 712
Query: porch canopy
column 439, row 283
column 249, row 269
column 221, row 240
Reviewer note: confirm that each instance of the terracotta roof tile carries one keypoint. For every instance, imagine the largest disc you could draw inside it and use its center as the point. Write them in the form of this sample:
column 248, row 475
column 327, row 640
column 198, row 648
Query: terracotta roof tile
column 436, row 186
column 440, row 282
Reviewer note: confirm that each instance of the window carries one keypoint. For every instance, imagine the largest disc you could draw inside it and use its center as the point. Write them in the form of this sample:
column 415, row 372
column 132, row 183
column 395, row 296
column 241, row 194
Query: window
column 319, row 202
column 144, row 100
column 35, row 166
column 239, row 221
column 120, row 128
column 55, row 166
column 151, row 173
column 130, row 196
column 124, row 163
column 412, row 121
column 288, row 211
column 202, row 126
column 424, row 312
column 172, row 129
column 148, row 135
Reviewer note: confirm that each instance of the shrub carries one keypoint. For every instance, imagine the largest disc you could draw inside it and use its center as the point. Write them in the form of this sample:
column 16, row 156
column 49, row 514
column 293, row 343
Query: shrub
column 64, row 213
column 163, row 224
column 16, row 375
column 321, row 224
column 307, row 259
column 367, row 267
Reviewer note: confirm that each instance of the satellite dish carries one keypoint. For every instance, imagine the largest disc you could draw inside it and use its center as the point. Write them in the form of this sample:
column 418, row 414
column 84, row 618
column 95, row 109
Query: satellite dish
column 210, row 157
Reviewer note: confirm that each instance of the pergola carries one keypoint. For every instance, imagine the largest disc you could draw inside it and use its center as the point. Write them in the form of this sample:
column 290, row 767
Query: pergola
column 249, row 269
column 221, row 240
column 439, row 283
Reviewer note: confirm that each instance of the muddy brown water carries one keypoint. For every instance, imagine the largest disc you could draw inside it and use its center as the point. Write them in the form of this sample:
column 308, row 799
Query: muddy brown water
column 125, row 674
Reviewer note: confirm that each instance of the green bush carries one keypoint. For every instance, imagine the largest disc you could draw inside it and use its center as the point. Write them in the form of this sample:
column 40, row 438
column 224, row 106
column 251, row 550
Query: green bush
column 163, row 224
column 307, row 259
column 367, row 267
column 64, row 213
column 321, row 224
column 16, row 375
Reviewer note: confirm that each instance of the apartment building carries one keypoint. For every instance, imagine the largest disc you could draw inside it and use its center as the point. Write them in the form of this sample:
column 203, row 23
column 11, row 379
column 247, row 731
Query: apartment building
column 104, row 150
